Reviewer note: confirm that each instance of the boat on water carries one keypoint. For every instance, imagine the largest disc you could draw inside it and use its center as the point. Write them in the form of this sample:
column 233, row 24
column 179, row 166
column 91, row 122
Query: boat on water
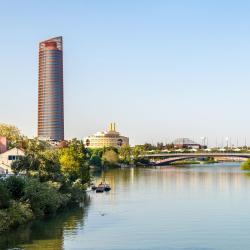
column 107, row 187
column 102, row 187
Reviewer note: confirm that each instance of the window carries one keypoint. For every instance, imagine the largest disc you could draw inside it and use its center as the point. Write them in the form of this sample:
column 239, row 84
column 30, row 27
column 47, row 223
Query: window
column 11, row 157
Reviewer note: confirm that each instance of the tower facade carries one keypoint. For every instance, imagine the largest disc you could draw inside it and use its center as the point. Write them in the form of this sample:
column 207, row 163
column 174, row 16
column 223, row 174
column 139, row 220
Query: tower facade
column 50, row 90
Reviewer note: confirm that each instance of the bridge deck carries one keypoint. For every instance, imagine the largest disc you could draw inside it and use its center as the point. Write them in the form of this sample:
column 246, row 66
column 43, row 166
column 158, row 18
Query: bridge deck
column 244, row 155
column 172, row 157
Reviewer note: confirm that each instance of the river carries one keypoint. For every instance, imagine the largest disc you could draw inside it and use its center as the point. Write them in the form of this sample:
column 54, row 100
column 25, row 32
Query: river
column 198, row 207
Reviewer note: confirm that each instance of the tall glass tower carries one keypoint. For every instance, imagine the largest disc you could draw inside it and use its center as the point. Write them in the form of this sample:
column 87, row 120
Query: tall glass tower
column 50, row 90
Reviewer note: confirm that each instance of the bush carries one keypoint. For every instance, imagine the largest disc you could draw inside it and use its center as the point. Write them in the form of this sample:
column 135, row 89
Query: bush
column 95, row 161
column 4, row 220
column 4, row 196
column 44, row 200
column 245, row 165
column 143, row 161
column 15, row 185
column 110, row 158
column 17, row 214
column 74, row 193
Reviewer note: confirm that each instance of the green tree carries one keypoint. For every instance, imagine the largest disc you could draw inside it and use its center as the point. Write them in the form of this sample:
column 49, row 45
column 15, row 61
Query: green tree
column 27, row 164
column 49, row 166
column 125, row 153
column 110, row 158
column 149, row 147
column 4, row 196
column 138, row 151
column 159, row 146
column 35, row 146
column 70, row 161
column 73, row 162
column 42, row 198
column 15, row 185
column 12, row 134
column 95, row 161
column 44, row 164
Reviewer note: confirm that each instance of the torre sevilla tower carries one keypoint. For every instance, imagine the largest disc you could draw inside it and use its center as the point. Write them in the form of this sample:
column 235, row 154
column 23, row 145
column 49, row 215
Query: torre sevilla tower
column 50, row 90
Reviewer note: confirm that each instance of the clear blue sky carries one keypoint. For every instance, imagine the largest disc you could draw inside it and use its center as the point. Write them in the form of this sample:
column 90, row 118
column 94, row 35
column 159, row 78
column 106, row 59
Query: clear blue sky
column 160, row 69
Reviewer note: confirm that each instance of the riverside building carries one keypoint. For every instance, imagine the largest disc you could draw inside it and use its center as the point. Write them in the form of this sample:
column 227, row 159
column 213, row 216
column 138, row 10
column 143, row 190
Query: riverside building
column 110, row 138
column 50, row 90
column 186, row 143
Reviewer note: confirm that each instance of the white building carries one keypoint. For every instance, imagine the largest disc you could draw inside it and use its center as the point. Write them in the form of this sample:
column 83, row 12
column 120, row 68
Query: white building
column 8, row 157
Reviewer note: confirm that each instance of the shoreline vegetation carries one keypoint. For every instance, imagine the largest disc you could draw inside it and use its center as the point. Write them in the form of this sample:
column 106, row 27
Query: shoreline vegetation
column 245, row 165
column 50, row 178
column 45, row 181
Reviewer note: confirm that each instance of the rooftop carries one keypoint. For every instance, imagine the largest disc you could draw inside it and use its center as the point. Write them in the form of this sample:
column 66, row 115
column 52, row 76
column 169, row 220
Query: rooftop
column 181, row 141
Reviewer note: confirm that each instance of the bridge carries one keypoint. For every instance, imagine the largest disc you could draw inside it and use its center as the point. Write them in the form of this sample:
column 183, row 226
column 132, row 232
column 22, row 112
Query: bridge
column 164, row 159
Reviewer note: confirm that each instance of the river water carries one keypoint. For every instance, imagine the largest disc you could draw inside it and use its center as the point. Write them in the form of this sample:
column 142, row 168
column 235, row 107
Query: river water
column 198, row 207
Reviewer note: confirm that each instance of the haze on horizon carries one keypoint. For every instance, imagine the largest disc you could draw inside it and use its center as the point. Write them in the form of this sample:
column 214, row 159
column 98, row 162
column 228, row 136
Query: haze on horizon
column 159, row 69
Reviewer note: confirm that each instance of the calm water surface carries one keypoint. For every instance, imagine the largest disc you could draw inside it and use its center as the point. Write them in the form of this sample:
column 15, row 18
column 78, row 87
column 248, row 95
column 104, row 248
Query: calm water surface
column 197, row 207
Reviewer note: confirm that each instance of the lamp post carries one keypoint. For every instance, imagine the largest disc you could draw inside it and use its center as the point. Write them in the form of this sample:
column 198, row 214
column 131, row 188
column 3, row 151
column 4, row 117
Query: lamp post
column 227, row 141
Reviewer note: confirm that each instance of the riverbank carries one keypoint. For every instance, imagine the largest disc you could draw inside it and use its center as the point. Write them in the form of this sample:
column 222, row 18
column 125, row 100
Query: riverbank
column 24, row 199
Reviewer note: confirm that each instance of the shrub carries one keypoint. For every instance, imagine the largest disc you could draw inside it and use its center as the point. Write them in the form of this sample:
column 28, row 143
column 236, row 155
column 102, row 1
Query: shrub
column 17, row 214
column 74, row 193
column 110, row 158
column 245, row 165
column 143, row 161
column 15, row 185
column 4, row 196
column 95, row 161
column 44, row 200
column 4, row 220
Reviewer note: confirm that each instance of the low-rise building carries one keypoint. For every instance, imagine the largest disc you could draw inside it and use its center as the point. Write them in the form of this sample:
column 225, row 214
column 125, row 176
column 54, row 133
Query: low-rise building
column 186, row 143
column 110, row 138
column 8, row 157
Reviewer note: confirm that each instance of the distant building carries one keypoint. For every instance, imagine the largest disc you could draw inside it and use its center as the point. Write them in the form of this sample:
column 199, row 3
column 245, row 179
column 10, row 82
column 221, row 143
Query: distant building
column 3, row 144
column 186, row 143
column 50, row 90
column 111, row 138
column 8, row 157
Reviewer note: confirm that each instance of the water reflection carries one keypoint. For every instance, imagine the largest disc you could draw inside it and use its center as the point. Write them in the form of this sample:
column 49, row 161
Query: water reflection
column 152, row 208
column 49, row 233
column 208, row 177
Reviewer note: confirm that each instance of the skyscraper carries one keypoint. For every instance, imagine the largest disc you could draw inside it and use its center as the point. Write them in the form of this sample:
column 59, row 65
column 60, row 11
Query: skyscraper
column 50, row 90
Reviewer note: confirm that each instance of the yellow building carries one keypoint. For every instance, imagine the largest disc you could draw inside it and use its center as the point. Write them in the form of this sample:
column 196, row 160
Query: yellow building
column 111, row 138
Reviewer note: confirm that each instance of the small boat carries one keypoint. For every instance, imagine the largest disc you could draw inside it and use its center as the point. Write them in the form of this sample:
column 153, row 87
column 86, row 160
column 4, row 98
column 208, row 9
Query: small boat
column 100, row 188
column 107, row 187
column 93, row 187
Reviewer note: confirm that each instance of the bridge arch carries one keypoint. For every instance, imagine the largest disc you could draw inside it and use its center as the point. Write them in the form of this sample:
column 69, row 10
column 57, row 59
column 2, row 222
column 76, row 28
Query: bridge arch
column 163, row 159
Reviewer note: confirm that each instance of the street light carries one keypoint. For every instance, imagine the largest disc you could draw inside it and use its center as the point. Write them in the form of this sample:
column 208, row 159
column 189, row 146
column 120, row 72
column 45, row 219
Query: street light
column 227, row 141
